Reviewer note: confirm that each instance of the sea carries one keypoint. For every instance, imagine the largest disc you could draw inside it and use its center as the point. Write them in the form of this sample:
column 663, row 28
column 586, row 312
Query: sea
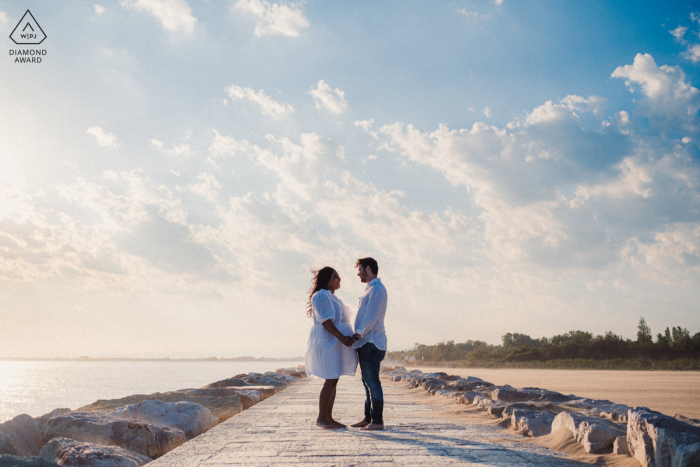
column 38, row 387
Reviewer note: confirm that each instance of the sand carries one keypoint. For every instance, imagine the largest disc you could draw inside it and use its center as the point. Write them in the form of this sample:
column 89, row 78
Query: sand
column 669, row 392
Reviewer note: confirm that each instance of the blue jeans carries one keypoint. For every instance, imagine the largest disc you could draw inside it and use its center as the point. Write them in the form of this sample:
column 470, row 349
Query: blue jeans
column 370, row 358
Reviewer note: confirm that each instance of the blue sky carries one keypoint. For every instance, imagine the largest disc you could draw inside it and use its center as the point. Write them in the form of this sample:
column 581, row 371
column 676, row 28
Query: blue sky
column 173, row 168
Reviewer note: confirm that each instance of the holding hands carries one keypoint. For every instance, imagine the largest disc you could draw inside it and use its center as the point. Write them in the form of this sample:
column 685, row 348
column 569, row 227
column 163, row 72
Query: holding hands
column 349, row 340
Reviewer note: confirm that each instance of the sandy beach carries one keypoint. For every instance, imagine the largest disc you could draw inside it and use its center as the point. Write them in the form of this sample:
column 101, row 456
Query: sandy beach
column 669, row 392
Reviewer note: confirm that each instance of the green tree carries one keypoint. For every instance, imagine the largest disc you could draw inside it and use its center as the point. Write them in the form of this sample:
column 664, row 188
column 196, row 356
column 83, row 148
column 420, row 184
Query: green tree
column 644, row 338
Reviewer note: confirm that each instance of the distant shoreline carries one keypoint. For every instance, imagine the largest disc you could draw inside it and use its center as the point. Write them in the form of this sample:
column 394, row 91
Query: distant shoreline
column 167, row 359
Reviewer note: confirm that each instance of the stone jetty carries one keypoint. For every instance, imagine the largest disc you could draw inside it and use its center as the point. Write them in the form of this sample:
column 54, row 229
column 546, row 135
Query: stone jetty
column 275, row 425
column 134, row 430
column 599, row 426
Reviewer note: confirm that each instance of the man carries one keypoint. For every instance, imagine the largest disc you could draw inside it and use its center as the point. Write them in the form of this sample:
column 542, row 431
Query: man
column 371, row 341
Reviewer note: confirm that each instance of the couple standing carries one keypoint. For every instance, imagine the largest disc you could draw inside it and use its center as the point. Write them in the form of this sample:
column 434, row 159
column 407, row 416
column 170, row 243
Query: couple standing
column 334, row 348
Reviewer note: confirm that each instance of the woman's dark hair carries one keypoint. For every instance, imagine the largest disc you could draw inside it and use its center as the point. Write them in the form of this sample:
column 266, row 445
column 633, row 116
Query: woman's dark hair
column 320, row 281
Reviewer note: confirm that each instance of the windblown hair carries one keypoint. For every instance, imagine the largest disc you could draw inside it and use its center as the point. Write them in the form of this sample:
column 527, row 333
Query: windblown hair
column 371, row 262
column 320, row 281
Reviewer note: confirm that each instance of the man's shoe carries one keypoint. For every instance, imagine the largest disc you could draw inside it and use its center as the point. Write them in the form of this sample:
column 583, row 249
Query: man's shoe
column 373, row 427
column 360, row 424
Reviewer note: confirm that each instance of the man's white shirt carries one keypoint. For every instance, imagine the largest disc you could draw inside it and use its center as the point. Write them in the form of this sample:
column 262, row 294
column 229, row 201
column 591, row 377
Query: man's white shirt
column 369, row 322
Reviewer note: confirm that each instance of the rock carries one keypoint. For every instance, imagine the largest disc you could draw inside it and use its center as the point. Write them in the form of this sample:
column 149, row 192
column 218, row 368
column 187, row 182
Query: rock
column 620, row 447
column 7, row 446
column 432, row 384
column 292, row 372
column 530, row 422
column 15, row 461
column 222, row 407
column 468, row 397
column 41, row 421
column 143, row 438
column 510, row 394
column 416, row 372
column 189, row 417
column 593, row 434
column 496, row 409
column 24, row 433
column 689, row 421
column 449, row 377
column 66, row 452
column 657, row 440
column 226, row 383
column 255, row 379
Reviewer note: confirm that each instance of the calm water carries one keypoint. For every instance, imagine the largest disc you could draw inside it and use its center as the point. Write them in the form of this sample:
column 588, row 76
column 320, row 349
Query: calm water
column 36, row 388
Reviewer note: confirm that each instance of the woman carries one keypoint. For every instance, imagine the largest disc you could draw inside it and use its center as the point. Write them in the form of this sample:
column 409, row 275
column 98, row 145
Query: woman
column 329, row 353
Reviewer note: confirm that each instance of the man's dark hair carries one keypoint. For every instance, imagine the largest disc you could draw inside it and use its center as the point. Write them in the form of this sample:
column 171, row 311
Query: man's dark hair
column 371, row 262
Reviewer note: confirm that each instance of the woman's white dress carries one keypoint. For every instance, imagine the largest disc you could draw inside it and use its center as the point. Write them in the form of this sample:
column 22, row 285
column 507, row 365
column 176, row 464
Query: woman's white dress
column 327, row 357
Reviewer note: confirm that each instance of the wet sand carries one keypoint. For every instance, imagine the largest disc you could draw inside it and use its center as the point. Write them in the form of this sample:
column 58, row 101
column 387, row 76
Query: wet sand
column 669, row 392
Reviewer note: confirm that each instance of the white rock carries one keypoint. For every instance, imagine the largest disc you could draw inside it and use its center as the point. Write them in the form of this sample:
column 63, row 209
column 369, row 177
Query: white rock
column 66, row 452
column 7, row 446
column 189, row 417
column 103, row 428
column 592, row 434
column 657, row 440
column 620, row 447
column 24, row 433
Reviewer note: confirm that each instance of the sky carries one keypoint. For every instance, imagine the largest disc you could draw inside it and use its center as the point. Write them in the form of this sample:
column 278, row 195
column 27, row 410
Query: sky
column 173, row 169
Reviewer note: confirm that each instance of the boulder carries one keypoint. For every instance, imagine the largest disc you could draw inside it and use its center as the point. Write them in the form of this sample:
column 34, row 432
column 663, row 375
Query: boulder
column 432, row 384
column 66, row 452
column 468, row 397
column 530, row 422
column 657, row 440
column 189, row 417
column 41, row 421
column 689, row 421
column 15, row 461
column 103, row 428
column 226, row 383
column 7, row 446
column 510, row 394
column 620, row 447
column 593, row 434
column 617, row 412
column 255, row 379
column 449, row 377
column 222, row 407
column 24, row 433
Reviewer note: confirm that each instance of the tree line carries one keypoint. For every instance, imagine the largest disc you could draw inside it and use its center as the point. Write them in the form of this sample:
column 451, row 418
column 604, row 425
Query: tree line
column 675, row 348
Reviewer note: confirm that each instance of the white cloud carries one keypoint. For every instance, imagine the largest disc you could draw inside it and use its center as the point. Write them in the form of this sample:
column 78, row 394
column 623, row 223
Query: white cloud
column 566, row 109
column 693, row 53
column 364, row 124
column 181, row 149
column 468, row 14
column 275, row 18
column 669, row 98
column 99, row 9
column 207, row 187
column 679, row 32
column 498, row 2
column 486, row 112
column 3, row 17
column 672, row 257
column 328, row 98
column 103, row 138
column 174, row 15
column 267, row 105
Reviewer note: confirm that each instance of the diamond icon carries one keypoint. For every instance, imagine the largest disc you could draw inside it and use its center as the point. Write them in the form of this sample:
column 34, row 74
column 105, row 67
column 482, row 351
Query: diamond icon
column 28, row 31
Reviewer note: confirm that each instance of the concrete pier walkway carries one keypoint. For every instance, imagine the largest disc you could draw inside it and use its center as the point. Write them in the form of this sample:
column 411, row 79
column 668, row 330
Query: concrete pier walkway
column 281, row 430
